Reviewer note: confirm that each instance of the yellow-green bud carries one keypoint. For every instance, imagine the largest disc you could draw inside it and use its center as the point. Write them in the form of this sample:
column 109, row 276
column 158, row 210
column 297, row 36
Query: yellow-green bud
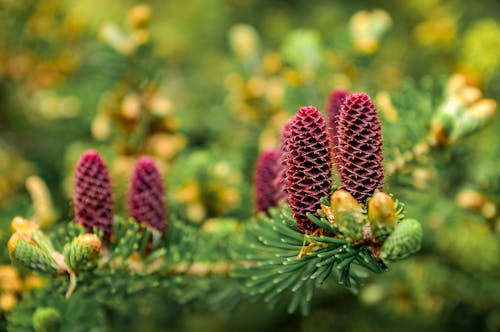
column 84, row 249
column 461, row 114
column 404, row 241
column 382, row 210
column 382, row 214
column 14, row 240
column 20, row 224
column 46, row 319
column 473, row 118
column 342, row 201
column 25, row 252
column 140, row 15
column 32, row 233
column 483, row 110
column 348, row 214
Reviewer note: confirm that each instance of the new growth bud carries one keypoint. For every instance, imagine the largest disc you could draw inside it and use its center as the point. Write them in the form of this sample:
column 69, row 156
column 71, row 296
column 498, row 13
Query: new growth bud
column 462, row 113
column 348, row 214
column 382, row 210
column 485, row 109
column 139, row 16
column 46, row 319
column 31, row 231
column 382, row 214
column 20, row 224
column 84, row 249
column 404, row 241
column 24, row 251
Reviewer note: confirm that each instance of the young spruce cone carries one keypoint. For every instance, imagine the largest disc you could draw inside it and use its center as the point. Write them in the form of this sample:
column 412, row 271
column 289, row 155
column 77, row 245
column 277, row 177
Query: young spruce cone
column 265, row 175
column 335, row 102
column 92, row 194
column 146, row 201
column 280, row 181
column 308, row 171
column 359, row 151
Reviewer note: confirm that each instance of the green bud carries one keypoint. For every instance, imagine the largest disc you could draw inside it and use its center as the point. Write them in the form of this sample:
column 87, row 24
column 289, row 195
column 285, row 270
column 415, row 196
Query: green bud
column 404, row 241
column 382, row 214
column 461, row 115
column 348, row 214
column 24, row 252
column 474, row 118
column 46, row 319
column 84, row 249
column 32, row 230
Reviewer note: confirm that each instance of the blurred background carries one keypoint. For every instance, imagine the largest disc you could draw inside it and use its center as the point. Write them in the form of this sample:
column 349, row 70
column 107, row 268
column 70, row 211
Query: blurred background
column 203, row 86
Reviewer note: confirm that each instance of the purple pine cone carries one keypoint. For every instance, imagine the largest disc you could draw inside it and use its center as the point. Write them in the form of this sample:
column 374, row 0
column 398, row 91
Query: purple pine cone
column 280, row 181
column 92, row 196
column 146, row 201
column 265, row 176
column 335, row 101
column 359, row 152
column 309, row 165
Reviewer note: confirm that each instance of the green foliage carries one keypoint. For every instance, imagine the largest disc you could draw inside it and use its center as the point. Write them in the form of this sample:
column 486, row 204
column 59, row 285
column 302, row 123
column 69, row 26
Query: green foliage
column 78, row 313
column 280, row 259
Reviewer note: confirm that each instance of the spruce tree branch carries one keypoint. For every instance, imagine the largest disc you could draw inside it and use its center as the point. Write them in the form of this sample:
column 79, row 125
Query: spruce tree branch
column 192, row 268
column 202, row 269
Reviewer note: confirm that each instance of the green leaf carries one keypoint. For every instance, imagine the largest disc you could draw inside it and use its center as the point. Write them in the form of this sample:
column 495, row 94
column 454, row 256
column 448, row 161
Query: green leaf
column 284, row 261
